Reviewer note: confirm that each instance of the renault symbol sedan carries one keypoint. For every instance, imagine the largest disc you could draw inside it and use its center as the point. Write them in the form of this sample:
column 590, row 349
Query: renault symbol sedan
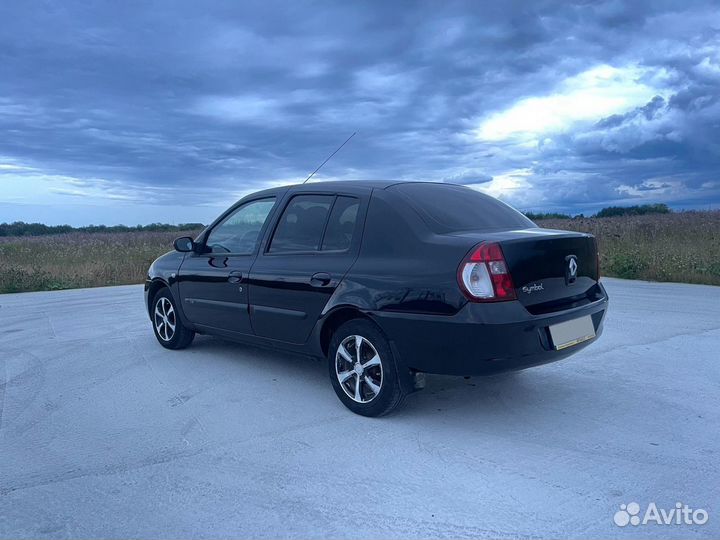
column 386, row 281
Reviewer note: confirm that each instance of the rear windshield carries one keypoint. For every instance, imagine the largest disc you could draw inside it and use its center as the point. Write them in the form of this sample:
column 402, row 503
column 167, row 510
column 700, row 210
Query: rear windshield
column 449, row 208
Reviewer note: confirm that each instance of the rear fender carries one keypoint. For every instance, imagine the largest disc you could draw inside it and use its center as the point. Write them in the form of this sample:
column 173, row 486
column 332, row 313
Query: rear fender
column 353, row 296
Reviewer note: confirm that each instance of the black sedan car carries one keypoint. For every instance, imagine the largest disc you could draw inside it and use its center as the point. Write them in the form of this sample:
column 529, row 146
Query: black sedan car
column 386, row 280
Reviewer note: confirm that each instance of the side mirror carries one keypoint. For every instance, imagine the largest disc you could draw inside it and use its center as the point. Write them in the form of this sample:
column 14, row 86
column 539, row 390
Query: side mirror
column 184, row 244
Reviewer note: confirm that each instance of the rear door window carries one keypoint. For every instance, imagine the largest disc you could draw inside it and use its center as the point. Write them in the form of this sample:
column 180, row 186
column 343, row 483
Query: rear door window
column 301, row 225
column 341, row 225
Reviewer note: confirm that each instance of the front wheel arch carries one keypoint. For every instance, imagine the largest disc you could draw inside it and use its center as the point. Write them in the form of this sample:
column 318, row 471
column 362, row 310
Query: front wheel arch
column 156, row 285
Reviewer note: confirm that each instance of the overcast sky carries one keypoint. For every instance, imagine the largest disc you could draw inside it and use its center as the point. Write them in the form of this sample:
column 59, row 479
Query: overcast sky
column 136, row 112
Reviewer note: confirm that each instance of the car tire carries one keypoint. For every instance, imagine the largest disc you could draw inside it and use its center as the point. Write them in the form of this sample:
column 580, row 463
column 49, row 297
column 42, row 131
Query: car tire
column 367, row 381
column 169, row 330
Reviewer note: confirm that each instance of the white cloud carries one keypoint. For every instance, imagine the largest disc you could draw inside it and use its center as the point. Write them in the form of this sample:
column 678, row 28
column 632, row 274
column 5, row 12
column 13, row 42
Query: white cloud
column 253, row 108
column 4, row 167
column 594, row 94
column 248, row 108
column 513, row 187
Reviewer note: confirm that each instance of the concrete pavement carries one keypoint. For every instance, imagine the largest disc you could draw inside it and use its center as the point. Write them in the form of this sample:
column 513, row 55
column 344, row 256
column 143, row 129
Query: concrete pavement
column 103, row 433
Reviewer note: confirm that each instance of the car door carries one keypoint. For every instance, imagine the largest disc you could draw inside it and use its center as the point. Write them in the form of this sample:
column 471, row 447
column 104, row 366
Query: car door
column 315, row 242
column 213, row 281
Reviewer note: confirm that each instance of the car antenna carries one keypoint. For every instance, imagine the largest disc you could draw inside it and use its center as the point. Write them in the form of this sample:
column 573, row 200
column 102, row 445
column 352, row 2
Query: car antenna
column 331, row 155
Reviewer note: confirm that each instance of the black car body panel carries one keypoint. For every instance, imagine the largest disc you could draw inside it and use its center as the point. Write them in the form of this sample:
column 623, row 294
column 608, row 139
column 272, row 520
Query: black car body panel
column 290, row 290
column 400, row 269
column 482, row 339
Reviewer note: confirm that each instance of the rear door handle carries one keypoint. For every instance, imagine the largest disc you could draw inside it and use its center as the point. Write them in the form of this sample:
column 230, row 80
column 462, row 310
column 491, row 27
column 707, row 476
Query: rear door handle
column 320, row 279
column 235, row 276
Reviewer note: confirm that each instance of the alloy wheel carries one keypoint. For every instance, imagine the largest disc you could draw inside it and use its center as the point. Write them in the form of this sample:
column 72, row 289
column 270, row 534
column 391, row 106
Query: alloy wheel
column 165, row 319
column 359, row 369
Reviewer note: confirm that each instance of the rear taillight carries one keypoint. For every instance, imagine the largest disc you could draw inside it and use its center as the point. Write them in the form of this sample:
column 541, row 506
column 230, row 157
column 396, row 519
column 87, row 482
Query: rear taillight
column 484, row 276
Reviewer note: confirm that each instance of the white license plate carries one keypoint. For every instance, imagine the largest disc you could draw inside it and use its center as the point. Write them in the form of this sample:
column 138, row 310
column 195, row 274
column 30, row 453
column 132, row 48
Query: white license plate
column 572, row 332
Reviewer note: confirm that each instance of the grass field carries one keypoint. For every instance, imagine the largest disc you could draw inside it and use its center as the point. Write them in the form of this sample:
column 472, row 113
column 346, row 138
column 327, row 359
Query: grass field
column 67, row 261
column 682, row 247
column 679, row 247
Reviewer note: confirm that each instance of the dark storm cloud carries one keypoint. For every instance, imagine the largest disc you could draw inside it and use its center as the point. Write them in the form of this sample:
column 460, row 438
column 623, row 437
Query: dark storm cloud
column 167, row 99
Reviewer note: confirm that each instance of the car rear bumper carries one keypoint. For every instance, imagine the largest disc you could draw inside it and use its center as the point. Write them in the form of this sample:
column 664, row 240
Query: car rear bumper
column 482, row 338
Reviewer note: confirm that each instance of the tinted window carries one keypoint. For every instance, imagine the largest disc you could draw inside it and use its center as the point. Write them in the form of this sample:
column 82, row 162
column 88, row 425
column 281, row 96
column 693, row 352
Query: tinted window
column 340, row 227
column 447, row 208
column 302, row 223
column 238, row 233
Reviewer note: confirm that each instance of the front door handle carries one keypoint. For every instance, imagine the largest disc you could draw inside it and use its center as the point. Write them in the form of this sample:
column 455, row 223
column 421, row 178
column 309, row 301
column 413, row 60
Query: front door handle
column 320, row 279
column 235, row 276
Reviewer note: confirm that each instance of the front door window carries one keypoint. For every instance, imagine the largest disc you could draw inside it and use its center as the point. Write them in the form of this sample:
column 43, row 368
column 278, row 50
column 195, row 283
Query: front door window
column 238, row 233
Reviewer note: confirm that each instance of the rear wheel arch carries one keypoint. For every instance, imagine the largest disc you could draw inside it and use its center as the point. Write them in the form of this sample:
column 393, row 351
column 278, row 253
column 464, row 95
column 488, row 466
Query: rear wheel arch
column 335, row 320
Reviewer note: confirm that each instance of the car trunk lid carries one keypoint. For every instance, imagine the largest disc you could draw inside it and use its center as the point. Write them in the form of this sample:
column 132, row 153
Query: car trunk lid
column 551, row 270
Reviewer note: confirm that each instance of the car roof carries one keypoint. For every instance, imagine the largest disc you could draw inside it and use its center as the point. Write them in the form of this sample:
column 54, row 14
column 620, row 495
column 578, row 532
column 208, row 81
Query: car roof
column 339, row 185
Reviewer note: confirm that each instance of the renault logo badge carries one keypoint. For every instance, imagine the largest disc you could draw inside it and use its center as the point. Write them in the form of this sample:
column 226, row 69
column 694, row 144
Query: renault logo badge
column 571, row 269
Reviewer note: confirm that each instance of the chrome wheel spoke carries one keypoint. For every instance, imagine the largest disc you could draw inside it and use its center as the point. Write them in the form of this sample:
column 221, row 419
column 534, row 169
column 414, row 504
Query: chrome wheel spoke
column 345, row 354
column 374, row 361
column 374, row 387
column 358, row 395
column 345, row 375
column 358, row 347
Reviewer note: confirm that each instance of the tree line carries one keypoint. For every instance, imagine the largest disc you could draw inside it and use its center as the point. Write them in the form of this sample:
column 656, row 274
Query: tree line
column 610, row 211
column 20, row 228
